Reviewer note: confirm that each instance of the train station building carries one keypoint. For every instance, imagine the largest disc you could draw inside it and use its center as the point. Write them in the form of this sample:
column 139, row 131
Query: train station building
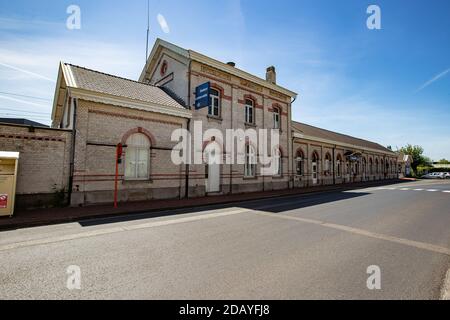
column 94, row 113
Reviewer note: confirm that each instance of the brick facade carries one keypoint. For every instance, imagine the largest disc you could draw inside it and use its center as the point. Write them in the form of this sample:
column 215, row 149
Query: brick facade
column 43, row 164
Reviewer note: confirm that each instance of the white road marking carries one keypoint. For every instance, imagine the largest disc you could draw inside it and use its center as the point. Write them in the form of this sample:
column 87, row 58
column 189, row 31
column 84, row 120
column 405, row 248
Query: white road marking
column 407, row 242
column 405, row 189
column 446, row 191
column 445, row 291
column 418, row 189
column 431, row 190
column 106, row 231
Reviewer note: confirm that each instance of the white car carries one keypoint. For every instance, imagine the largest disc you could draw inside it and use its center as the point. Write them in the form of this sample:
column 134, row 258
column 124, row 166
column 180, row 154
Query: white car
column 434, row 175
column 447, row 175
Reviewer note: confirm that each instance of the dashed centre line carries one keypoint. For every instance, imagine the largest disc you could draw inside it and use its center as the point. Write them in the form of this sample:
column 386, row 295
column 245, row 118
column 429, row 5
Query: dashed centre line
column 410, row 189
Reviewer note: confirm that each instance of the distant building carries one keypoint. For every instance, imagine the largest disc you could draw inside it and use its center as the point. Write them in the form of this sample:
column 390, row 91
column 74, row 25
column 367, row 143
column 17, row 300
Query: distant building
column 438, row 165
column 404, row 165
column 21, row 121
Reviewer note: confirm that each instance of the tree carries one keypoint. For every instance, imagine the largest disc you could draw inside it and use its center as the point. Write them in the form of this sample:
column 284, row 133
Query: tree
column 416, row 152
column 444, row 161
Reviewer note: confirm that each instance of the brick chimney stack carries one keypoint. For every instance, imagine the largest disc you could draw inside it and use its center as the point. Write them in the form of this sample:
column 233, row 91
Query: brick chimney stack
column 271, row 75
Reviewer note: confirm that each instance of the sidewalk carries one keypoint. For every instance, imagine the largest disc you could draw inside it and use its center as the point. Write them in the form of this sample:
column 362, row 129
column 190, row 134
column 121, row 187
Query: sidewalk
column 41, row 217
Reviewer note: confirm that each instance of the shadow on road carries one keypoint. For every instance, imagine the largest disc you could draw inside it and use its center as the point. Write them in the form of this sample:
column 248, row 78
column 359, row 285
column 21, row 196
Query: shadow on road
column 274, row 205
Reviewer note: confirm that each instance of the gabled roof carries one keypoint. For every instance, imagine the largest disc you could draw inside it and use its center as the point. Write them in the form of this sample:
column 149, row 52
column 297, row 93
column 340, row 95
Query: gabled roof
column 93, row 82
column 308, row 131
column 193, row 55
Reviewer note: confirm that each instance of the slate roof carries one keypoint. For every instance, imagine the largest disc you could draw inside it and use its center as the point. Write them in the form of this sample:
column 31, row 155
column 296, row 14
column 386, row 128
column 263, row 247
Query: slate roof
column 109, row 84
column 309, row 130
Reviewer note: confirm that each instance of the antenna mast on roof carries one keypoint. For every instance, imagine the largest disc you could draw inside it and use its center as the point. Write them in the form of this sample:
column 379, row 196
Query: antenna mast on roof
column 148, row 30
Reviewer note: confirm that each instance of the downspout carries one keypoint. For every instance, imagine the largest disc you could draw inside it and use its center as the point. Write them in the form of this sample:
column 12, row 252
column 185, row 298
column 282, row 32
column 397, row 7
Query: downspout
column 72, row 152
column 187, row 168
column 231, row 151
column 291, row 138
column 334, row 165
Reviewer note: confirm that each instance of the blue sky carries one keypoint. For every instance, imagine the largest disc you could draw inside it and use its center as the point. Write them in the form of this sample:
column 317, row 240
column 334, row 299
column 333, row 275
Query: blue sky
column 391, row 85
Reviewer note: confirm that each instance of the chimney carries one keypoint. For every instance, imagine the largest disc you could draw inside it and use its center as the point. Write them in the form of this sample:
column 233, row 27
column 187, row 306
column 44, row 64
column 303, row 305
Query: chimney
column 231, row 64
column 271, row 75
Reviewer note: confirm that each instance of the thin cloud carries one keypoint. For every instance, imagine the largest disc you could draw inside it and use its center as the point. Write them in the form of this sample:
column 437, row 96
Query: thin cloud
column 27, row 72
column 22, row 101
column 435, row 78
column 163, row 23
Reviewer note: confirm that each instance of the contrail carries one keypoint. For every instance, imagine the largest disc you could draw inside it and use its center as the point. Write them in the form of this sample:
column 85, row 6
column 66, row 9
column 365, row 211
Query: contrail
column 440, row 75
column 22, row 101
column 27, row 72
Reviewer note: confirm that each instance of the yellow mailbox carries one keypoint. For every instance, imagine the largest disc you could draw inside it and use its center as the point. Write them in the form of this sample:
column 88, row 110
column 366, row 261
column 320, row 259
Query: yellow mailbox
column 8, row 178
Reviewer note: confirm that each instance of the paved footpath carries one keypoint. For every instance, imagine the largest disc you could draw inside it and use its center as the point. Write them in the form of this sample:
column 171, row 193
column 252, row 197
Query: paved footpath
column 315, row 246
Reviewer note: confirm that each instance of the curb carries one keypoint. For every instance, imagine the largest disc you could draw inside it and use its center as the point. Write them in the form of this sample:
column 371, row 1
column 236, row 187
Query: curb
column 70, row 219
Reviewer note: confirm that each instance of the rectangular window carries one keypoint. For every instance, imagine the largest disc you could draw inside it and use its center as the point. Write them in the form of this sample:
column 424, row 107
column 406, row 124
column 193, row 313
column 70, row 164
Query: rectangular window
column 276, row 120
column 250, row 162
column 249, row 111
column 214, row 103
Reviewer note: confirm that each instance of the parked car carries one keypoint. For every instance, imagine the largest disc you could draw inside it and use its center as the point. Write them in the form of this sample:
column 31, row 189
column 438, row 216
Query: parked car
column 434, row 175
column 447, row 175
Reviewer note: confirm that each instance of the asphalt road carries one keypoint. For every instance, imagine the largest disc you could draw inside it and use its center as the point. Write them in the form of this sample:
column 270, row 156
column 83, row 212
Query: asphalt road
column 298, row 247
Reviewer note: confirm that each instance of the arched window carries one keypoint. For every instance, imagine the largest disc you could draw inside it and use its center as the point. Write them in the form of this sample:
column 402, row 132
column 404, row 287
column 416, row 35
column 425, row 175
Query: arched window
column 382, row 166
column 214, row 103
column 377, row 166
column 137, row 157
column 300, row 161
column 249, row 111
column 339, row 166
column 364, row 166
column 276, row 118
column 370, row 166
column 278, row 161
column 327, row 168
column 250, row 161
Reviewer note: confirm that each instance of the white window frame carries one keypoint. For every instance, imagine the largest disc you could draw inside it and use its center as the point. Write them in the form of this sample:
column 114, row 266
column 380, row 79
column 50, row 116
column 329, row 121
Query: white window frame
column 299, row 164
column 214, row 110
column 249, row 111
column 277, row 118
column 339, row 168
column 133, row 151
column 278, row 158
column 250, row 162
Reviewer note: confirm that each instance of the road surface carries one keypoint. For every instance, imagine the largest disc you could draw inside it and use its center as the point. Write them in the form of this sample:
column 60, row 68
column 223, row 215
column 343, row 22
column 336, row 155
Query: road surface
column 316, row 246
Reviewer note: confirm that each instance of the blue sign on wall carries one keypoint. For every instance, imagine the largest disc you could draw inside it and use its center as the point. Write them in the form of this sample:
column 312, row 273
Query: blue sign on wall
column 202, row 95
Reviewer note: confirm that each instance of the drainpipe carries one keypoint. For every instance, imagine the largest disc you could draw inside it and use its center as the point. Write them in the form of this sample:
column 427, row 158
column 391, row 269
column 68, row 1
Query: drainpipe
column 187, row 167
column 72, row 152
column 334, row 165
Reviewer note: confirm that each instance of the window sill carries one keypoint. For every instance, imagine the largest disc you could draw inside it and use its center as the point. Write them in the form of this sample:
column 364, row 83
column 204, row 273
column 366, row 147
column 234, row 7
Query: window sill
column 278, row 177
column 250, row 178
column 124, row 181
column 253, row 125
column 214, row 118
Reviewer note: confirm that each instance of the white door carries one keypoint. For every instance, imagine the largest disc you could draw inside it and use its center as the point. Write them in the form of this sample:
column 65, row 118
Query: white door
column 213, row 181
column 314, row 173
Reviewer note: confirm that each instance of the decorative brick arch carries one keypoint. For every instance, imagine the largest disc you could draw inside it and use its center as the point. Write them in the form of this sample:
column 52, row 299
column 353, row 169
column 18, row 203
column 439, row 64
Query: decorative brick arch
column 277, row 106
column 300, row 151
column 218, row 88
column 317, row 155
column 141, row 130
column 251, row 97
